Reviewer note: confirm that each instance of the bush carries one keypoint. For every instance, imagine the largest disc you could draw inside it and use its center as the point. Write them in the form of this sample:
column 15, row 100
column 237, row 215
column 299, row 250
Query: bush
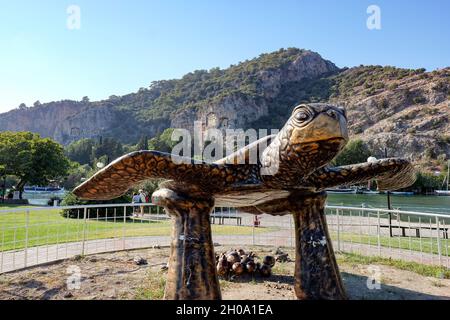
column 441, row 86
column 427, row 181
column 356, row 151
column 384, row 103
column 429, row 153
column 419, row 100
column 71, row 200
column 393, row 86
column 443, row 139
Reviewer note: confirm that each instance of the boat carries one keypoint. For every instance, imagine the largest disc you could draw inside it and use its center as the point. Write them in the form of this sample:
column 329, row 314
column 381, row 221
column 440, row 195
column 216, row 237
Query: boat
column 341, row 191
column 402, row 193
column 370, row 192
column 445, row 192
column 35, row 189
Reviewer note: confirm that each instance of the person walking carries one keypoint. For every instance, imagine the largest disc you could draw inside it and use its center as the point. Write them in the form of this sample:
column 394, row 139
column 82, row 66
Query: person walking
column 136, row 199
column 143, row 197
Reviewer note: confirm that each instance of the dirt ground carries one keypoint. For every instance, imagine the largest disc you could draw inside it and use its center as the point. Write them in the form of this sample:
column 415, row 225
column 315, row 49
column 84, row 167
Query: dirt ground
column 117, row 276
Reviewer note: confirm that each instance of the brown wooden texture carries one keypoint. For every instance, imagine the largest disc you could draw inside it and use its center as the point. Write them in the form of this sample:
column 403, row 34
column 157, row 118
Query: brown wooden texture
column 192, row 269
column 316, row 271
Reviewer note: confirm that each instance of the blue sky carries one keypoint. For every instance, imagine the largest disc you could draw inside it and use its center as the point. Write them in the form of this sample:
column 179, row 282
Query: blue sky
column 124, row 45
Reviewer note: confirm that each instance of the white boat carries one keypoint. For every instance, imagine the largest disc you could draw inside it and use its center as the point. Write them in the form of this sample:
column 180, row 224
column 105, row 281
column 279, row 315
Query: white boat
column 402, row 193
column 341, row 191
column 35, row 189
column 370, row 192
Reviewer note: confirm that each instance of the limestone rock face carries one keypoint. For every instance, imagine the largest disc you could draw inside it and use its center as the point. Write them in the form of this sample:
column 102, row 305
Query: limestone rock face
column 410, row 116
column 238, row 110
column 226, row 113
column 89, row 123
column 44, row 119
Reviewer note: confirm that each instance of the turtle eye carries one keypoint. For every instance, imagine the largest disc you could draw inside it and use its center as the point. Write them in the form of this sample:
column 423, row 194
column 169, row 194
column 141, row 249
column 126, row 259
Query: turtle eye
column 302, row 116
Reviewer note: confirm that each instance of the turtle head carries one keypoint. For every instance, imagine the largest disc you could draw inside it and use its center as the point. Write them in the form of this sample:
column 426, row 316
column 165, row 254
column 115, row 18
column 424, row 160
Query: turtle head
column 314, row 134
column 311, row 123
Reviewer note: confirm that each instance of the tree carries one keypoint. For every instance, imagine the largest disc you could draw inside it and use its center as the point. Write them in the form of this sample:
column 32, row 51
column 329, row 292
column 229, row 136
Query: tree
column 22, row 106
column 34, row 160
column 3, row 178
column 355, row 151
column 85, row 99
column 428, row 182
column 143, row 143
column 76, row 175
column 37, row 103
column 163, row 142
column 81, row 151
column 109, row 148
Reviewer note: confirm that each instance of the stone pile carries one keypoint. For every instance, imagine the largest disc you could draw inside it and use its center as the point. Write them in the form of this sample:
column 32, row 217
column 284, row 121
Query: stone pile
column 238, row 262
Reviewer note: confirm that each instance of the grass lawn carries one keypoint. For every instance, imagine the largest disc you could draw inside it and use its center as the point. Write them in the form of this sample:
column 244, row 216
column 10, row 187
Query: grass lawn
column 426, row 245
column 422, row 269
column 49, row 227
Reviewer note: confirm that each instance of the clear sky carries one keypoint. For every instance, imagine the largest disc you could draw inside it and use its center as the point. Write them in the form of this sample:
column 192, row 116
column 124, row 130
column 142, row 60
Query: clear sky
column 124, row 45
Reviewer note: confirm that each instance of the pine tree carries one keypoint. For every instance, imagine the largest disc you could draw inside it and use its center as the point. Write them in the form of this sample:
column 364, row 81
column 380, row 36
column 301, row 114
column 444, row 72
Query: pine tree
column 143, row 143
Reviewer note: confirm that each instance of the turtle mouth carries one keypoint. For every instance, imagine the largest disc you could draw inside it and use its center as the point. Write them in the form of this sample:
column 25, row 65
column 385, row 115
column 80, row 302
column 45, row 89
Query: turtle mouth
column 318, row 153
column 326, row 145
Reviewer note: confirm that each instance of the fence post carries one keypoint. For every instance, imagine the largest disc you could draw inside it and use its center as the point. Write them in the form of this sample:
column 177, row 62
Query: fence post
column 84, row 230
column 378, row 233
column 123, row 226
column 3, row 243
column 338, row 231
column 253, row 233
column 438, row 240
column 27, row 223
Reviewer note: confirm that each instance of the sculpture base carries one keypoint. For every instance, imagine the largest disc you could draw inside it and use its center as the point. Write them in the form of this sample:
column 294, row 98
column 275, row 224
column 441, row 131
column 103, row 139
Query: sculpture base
column 316, row 272
column 192, row 268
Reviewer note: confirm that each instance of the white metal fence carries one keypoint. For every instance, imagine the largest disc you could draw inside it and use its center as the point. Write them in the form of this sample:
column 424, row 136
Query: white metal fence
column 31, row 236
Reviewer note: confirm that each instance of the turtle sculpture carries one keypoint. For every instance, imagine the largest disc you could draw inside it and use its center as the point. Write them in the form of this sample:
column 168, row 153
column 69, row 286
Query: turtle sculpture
column 289, row 177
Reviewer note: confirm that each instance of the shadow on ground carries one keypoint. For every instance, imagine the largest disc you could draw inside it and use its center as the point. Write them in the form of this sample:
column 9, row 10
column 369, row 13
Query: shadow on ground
column 356, row 287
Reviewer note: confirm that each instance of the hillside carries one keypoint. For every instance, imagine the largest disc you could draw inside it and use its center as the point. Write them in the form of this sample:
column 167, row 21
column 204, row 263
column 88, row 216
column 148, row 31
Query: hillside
column 406, row 110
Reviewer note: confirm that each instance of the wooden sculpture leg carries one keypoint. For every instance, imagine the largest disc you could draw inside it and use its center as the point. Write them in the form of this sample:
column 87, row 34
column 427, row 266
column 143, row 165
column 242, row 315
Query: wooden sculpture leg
column 192, row 270
column 316, row 272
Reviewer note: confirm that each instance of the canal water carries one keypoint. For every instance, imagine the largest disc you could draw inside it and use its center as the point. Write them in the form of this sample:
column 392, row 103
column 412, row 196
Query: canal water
column 41, row 198
column 437, row 204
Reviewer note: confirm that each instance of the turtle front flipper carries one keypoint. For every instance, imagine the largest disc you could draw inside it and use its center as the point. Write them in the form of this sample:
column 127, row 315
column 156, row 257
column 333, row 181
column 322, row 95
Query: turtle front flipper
column 390, row 174
column 123, row 173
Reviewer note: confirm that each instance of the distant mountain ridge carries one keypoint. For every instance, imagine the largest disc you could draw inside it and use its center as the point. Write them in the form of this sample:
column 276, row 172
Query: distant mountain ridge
column 406, row 110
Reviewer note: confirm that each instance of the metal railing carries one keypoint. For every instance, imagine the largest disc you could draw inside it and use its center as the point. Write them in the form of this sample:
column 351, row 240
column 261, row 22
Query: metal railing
column 31, row 236
column 406, row 235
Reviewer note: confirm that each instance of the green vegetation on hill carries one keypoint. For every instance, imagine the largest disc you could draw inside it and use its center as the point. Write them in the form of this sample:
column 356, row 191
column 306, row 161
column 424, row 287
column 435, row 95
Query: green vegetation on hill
column 201, row 86
column 369, row 79
column 155, row 105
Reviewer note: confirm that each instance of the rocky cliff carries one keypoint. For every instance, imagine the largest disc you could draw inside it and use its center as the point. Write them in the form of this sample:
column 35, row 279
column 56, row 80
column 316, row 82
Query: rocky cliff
column 406, row 110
